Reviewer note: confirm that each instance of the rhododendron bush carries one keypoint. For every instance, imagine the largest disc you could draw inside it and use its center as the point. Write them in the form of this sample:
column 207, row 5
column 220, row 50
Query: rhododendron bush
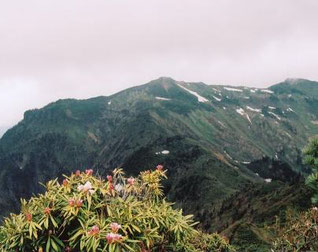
column 87, row 213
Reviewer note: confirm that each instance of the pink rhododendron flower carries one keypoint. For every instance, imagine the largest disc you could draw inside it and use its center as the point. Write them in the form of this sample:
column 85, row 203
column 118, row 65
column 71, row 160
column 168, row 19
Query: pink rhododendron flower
column 71, row 202
column 65, row 182
column 115, row 227
column 86, row 188
column 131, row 181
column 47, row 210
column 79, row 203
column 111, row 186
column 112, row 238
column 89, row 171
column 159, row 167
column 28, row 216
column 94, row 230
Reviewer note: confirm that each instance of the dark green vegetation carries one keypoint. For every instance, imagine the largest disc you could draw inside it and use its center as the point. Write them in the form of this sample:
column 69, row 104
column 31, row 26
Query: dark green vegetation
column 311, row 158
column 220, row 151
column 298, row 231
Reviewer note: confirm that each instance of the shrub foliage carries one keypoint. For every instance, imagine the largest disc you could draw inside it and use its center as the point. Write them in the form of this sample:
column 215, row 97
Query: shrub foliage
column 87, row 213
column 311, row 159
column 299, row 232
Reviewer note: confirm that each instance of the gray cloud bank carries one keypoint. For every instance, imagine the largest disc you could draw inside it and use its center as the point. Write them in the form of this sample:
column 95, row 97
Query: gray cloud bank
column 51, row 49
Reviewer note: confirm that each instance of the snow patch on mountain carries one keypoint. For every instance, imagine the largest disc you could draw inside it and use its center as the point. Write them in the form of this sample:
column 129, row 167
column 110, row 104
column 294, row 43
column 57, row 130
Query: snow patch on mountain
column 267, row 91
column 200, row 98
column 164, row 152
column 244, row 114
column 277, row 117
column 162, row 98
column 253, row 109
column 216, row 98
column 233, row 89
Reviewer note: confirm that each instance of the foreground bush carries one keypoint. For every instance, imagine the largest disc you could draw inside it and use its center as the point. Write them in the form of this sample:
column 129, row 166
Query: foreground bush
column 298, row 233
column 86, row 213
column 311, row 159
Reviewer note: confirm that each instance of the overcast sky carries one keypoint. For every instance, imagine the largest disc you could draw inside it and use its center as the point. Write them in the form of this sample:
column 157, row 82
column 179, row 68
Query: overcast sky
column 51, row 49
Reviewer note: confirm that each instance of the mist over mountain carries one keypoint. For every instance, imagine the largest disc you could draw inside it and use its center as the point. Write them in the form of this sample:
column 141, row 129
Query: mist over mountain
column 233, row 153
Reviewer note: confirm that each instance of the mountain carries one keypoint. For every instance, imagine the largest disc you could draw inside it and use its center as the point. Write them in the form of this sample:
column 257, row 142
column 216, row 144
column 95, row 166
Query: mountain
column 222, row 145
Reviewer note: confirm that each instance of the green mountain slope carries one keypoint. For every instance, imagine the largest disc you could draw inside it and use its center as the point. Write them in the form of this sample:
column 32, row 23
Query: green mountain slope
column 215, row 140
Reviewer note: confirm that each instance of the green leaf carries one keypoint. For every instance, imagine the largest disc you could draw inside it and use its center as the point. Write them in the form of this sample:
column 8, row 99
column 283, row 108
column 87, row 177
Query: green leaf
column 48, row 245
column 54, row 245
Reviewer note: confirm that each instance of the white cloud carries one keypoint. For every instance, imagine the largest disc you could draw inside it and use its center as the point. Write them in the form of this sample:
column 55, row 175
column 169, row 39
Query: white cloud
column 52, row 49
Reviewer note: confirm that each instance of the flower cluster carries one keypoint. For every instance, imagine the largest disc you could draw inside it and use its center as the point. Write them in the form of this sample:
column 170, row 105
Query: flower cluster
column 89, row 172
column 47, row 210
column 94, row 230
column 86, row 188
column 28, row 216
column 65, row 182
column 131, row 181
column 72, row 202
column 115, row 227
column 110, row 183
column 114, row 236
column 159, row 167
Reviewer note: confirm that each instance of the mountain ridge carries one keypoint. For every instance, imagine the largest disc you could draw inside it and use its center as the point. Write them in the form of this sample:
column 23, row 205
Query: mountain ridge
column 290, row 81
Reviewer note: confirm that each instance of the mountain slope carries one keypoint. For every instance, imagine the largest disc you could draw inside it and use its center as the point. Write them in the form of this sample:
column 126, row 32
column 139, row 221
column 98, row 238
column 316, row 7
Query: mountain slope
column 215, row 140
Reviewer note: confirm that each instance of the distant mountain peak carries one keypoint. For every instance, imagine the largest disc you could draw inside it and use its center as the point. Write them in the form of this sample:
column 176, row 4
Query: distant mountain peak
column 296, row 85
column 294, row 81
column 165, row 78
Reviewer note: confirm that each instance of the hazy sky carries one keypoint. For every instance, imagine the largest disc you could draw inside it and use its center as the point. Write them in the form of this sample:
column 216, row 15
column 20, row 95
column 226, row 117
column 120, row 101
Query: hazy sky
column 51, row 49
